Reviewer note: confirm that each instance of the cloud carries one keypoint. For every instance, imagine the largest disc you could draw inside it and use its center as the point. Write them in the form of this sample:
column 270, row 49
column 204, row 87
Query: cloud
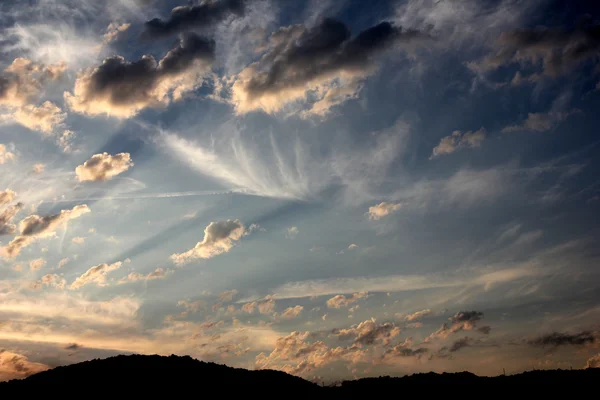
column 368, row 332
column 556, row 339
column 266, row 306
column 23, row 81
column 45, row 118
column 352, row 246
column 461, row 344
column 461, row 321
column 78, row 240
column 458, row 140
column 322, row 62
column 404, row 350
column 418, row 315
column 113, row 30
column 186, row 18
column 593, row 362
column 382, row 209
column 17, row 366
column 291, row 232
column 122, row 89
column 218, row 239
column 73, row 346
column 38, row 168
column 6, row 196
column 5, row 155
column 539, row 122
column 158, row 273
column 36, row 264
column 292, row 312
column 35, row 226
column 50, row 280
column 6, row 216
column 228, row 295
column 340, row 300
column 103, row 167
column 558, row 50
column 95, row 275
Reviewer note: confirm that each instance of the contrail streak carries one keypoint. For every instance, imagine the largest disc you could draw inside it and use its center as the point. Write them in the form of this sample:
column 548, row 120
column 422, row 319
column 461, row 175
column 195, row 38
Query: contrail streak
column 154, row 195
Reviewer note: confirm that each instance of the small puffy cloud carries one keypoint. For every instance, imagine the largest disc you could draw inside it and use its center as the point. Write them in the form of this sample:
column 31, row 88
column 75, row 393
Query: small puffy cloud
column 186, row 18
column 6, row 196
column 122, row 89
column 113, row 31
column 352, row 246
column 78, row 240
column 382, row 209
column 461, row 321
column 62, row 262
column 418, row 315
column 461, row 344
column 17, row 366
column 50, row 280
column 556, row 339
column 292, row 312
column 404, row 349
column 266, row 306
column 38, row 168
column 23, row 81
column 44, row 118
column 73, row 347
column 65, row 140
column 340, row 300
column 291, row 232
column 368, row 332
column 228, row 295
column 35, row 226
column 459, row 140
column 158, row 273
column 218, row 239
column 103, row 167
column 322, row 63
column 593, row 362
column 249, row 307
column 37, row 264
column 5, row 155
column 539, row 122
column 95, row 275
column 6, row 216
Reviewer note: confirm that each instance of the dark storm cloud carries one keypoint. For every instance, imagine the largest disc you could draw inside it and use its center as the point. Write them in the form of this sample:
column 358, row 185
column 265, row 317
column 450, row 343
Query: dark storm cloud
column 556, row 339
column 485, row 330
column 466, row 316
column 185, row 18
column 297, row 57
column 324, row 49
column 558, row 49
column 121, row 88
column 460, row 344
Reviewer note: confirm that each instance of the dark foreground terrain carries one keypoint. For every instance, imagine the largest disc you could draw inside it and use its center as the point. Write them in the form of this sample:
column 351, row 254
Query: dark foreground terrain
column 182, row 373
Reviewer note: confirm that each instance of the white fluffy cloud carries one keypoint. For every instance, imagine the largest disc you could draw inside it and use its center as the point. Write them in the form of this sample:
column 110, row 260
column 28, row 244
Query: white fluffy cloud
column 382, row 209
column 35, row 226
column 103, row 167
column 17, row 366
column 458, row 140
column 340, row 300
column 5, row 155
column 44, row 118
column 95, row 275
column 417, row 315
column 218, row 239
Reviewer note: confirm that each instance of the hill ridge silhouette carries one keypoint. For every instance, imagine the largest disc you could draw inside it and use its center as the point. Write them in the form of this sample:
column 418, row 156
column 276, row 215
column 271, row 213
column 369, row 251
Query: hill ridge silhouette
column 185, row 371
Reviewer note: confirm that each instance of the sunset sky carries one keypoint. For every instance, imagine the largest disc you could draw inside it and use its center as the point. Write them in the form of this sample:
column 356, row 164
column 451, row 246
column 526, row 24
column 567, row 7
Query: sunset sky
column 332, row 188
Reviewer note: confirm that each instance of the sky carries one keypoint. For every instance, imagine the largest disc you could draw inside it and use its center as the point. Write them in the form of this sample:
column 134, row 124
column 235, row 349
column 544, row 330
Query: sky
column 332, row 188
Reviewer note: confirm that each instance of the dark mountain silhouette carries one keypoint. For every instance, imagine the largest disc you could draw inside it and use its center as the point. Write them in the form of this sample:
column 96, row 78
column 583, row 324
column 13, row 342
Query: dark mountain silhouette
column 177, row 373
